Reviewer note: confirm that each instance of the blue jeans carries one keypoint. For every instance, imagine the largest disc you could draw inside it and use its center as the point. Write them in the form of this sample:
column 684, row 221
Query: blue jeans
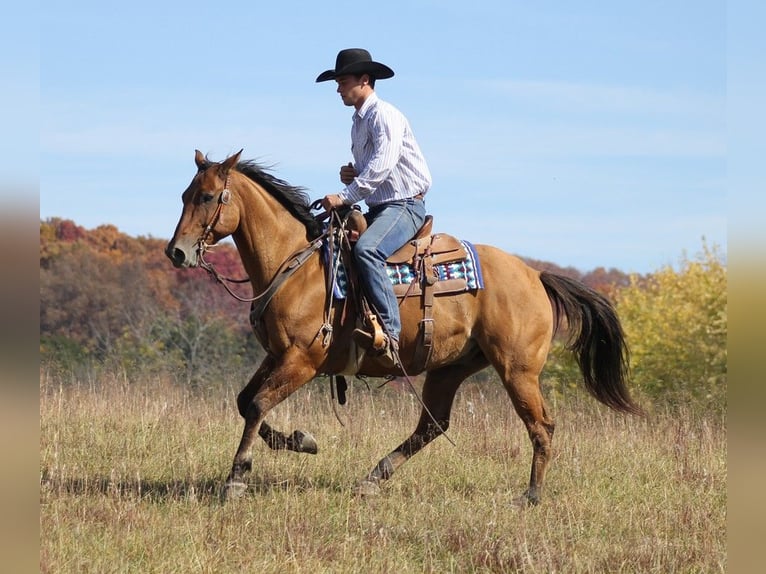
column 391, row 225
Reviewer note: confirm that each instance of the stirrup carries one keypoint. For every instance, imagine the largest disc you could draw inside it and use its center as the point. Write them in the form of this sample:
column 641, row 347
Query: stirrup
column 388, row 352
column 374, row 338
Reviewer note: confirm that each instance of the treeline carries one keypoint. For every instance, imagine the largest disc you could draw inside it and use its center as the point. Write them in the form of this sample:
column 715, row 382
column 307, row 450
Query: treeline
column 111, row 301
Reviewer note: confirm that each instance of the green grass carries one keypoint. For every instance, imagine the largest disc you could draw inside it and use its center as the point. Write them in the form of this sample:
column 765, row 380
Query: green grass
column 130, row 477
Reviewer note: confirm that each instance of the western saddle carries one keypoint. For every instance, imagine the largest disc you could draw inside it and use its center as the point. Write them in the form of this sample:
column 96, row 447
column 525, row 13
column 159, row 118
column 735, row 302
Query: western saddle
column 421, row 253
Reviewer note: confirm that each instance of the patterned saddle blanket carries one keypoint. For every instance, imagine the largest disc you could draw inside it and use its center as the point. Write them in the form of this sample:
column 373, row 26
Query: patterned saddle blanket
column 463, row 274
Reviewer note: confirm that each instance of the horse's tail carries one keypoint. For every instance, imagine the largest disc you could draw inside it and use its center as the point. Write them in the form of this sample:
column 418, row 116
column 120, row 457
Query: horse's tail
column 595, row 337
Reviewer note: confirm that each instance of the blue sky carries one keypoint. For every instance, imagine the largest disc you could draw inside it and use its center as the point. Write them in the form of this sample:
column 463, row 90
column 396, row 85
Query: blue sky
column 587, row 134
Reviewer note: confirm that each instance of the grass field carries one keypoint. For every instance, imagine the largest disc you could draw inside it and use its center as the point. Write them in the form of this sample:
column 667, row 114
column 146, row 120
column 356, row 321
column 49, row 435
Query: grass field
column 130, row 475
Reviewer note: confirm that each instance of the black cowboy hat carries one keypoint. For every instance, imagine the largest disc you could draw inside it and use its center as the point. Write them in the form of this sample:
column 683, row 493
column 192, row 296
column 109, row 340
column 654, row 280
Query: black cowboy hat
column 356, row 61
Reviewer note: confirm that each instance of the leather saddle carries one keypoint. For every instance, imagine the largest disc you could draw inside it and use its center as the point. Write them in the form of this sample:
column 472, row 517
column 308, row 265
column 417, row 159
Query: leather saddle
column 425, row 250
column 421, row 253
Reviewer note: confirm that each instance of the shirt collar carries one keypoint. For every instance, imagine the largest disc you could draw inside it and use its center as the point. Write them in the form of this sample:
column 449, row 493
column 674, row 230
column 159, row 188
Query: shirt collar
column 371, row 100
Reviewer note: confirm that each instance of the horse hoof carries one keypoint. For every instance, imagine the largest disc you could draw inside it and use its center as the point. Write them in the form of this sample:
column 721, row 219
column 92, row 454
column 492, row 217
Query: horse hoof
column 526, row 500
column 233, row 489
column 367, row 488
column 304, row 442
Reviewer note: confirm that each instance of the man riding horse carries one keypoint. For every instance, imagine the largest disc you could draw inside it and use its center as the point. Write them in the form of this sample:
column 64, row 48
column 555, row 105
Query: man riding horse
column 390, row 174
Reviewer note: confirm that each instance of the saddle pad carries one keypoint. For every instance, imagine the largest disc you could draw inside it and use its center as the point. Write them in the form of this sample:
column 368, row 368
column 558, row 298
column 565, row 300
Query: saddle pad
column 468, row 269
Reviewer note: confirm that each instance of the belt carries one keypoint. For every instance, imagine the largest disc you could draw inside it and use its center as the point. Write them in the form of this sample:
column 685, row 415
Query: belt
column 420, row 196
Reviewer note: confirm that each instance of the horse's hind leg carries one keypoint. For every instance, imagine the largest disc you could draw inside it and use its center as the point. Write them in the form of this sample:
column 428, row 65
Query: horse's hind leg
column 439, row 391
column 272, row 383
column 524, row 391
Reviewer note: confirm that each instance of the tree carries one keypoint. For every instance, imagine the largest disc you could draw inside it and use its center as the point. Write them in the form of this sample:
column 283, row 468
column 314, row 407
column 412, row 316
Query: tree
column 211, row 342
column 108, row 301
column 676, row 326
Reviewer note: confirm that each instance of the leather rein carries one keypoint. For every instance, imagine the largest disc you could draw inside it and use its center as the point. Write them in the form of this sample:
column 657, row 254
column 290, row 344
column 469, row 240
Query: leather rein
column 287, row 269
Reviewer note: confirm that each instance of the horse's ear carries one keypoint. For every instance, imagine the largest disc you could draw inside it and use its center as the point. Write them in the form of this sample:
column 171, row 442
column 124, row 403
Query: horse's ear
column 199, row 159
column 230, row 162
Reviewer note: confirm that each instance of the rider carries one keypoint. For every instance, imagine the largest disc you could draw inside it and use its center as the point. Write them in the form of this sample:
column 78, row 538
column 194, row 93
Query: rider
column 390, row 173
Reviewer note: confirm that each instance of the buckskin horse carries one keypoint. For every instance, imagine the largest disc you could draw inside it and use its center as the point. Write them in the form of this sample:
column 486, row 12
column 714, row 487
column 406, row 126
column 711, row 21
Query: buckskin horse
column 509, row 324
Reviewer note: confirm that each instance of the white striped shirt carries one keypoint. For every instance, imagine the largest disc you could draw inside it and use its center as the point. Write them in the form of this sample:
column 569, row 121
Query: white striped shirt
column 387, row 159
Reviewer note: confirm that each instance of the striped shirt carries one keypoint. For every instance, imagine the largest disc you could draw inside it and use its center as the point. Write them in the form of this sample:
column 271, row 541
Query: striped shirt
column 387, row 159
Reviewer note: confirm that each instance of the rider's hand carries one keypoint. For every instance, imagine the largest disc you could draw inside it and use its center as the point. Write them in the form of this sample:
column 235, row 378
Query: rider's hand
column 333, row 201
column 347, row 174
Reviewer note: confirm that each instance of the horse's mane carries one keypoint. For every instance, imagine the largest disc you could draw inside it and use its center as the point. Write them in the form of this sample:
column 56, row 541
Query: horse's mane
column 293, row 198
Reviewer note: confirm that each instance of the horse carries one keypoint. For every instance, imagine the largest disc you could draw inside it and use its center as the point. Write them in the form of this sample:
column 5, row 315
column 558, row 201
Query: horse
column 509, row 324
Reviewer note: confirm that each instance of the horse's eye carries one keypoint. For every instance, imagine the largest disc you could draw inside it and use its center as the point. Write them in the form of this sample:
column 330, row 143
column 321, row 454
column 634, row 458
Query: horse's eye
column 206, row 197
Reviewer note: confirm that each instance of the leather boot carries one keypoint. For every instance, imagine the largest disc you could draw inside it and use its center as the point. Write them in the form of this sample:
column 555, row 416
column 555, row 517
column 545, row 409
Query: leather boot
column 363, row 338
column 388, row 356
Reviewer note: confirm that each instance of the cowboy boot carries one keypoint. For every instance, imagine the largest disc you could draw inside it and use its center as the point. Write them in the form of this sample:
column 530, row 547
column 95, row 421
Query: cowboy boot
column 363, row 339
column 388, row 356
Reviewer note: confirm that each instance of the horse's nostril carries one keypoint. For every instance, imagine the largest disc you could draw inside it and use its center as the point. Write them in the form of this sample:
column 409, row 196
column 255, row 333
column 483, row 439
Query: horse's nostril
column 176, row 255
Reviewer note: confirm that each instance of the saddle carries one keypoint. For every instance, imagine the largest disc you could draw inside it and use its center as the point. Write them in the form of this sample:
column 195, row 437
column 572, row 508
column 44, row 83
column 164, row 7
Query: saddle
column 425, row 248
column 421, row 255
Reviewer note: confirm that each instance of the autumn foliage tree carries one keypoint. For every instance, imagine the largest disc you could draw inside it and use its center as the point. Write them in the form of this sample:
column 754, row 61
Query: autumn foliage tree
column 676, row 325
column 108, row 300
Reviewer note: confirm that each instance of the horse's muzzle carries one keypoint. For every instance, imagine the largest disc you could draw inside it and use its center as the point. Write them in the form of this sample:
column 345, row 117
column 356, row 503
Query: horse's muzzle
column 177, row 256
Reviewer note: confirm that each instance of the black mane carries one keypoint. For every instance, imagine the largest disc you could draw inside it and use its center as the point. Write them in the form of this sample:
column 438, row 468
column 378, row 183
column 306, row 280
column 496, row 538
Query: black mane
column 293, row 198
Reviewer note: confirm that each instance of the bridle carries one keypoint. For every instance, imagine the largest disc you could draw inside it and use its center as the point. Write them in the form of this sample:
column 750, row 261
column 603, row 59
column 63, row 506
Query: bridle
column 223, row 199
column 203, row 246
column 288, row 267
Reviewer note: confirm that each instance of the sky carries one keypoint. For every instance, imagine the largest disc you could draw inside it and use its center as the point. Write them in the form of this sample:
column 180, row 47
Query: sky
column 588, row 134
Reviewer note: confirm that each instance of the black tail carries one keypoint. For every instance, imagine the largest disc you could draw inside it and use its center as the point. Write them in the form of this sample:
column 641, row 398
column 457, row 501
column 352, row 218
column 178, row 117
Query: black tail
column 596, row 338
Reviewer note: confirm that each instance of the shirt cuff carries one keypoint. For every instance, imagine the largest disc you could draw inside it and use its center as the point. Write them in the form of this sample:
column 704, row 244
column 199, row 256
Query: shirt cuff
column 350, row 196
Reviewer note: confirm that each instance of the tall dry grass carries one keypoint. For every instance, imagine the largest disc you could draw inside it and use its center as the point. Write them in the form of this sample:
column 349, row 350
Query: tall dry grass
column 130, row 475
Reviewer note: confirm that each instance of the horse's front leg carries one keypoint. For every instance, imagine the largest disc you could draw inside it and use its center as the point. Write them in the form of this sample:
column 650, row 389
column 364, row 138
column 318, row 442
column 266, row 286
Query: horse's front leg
column 274, row 381
column 298, row 441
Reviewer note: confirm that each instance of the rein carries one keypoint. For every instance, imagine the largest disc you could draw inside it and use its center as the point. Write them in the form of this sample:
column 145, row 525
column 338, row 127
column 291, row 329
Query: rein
column 288, row 267
column 207, row 266
column 203, row 247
